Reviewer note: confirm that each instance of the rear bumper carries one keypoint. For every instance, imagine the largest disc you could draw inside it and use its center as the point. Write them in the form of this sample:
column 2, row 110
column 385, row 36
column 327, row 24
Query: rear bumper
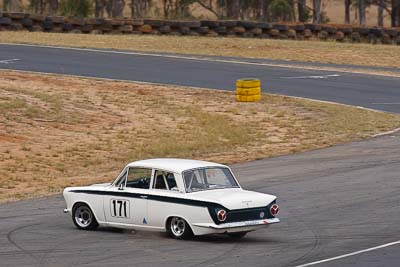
column 223, row 226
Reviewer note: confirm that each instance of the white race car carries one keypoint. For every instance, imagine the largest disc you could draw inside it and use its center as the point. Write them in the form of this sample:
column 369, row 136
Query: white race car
column 182, row 197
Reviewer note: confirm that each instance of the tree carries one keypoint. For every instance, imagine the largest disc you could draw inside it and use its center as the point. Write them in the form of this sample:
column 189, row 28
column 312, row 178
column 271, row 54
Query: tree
column 183, row 7
column 208, row 5
column 281, row 10
column 380, row 13
column 6, row 3
column 248, row 9
column 12, row 5
column 361, row 12
column 316, row 11
column 139, row 8
column 99, row 6
column 302, row 9
column 266, row 16
column 233, row 9
column 115, row 8
column 395, row 13
column 392, row 7
column 167, row 5
column 53, row 7
column 347, row 5
column 37, row 6
column 291, row 10
column 76, row 8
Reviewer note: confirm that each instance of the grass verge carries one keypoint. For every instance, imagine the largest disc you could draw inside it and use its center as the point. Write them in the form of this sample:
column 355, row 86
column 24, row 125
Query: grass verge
column 307, row 51
column 57, row 131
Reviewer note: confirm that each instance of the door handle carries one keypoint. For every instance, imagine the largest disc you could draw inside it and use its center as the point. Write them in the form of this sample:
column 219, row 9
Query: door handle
column 144, row 197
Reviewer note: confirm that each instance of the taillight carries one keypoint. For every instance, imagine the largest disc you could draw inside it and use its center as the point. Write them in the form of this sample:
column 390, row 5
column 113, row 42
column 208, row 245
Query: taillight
column 221, row 215
column 274, row 210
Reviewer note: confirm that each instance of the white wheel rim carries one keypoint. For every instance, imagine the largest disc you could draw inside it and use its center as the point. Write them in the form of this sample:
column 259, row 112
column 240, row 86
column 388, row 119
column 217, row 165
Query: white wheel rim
column 83, row 216
column 178, row 226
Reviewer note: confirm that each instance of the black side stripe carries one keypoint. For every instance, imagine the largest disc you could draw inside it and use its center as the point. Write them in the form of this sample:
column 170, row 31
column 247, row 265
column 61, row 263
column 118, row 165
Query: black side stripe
column 189, row 202
column 211, row 206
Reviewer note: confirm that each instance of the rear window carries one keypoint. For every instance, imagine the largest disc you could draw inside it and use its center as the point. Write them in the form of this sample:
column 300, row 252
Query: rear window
column 208, row 179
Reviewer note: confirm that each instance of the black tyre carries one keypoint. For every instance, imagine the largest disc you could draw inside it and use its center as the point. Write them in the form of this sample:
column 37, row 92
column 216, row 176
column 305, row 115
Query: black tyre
column 178, row 228
column 237, row 235
column 83, row 217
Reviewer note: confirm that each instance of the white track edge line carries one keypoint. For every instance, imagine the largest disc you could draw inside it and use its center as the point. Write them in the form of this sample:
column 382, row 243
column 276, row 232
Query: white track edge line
column 350, row 254
column 204, row 58
column 386, row 133
column 116, row 80
column 336, row 103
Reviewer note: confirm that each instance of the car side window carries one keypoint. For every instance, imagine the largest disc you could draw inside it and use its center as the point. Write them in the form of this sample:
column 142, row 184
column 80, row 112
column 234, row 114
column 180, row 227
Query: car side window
column 164, row 180
column 138, row 178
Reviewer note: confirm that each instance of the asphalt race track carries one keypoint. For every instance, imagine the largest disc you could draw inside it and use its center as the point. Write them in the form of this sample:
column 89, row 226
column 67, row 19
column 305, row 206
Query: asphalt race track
column 370, row 91
column 333, row 201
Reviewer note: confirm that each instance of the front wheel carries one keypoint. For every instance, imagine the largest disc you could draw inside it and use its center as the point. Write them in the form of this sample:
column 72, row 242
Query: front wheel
column 83, row 217
column 178, row 228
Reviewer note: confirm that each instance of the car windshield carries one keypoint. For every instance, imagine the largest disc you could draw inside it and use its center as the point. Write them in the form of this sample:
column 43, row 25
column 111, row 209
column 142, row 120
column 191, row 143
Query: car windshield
column 208, row 178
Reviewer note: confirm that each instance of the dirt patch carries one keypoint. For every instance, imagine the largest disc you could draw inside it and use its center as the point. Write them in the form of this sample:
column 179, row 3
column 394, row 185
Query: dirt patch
column 57, row 131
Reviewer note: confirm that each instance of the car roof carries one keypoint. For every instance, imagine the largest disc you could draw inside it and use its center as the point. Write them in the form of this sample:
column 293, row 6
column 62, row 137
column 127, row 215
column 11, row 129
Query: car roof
column 174, row 165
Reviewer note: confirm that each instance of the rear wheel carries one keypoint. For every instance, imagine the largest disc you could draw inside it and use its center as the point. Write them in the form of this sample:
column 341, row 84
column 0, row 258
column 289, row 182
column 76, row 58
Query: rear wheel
column 83, row 217
column 237, row 235
column 178, row 228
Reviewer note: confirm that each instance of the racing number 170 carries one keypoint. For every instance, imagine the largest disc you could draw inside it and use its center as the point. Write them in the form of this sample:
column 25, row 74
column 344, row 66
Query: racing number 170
column 120, row 208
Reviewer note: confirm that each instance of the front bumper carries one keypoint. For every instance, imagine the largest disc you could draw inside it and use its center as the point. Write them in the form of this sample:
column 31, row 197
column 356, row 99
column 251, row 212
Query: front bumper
column 66, row 210
column 238, row 224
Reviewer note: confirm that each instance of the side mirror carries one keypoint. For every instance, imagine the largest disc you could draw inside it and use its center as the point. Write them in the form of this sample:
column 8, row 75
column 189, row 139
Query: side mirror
column 121, row 186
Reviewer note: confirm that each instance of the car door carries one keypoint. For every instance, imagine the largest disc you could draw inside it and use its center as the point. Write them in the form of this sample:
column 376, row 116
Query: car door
column 126, row 201
column 164, row 186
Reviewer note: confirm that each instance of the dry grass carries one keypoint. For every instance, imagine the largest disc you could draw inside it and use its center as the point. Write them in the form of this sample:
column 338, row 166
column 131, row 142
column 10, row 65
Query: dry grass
column 309, row 51
column 57, row 131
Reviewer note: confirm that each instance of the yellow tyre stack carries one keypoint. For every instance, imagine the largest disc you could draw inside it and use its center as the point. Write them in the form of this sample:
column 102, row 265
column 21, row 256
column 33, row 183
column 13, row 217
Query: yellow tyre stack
column 248, row 90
